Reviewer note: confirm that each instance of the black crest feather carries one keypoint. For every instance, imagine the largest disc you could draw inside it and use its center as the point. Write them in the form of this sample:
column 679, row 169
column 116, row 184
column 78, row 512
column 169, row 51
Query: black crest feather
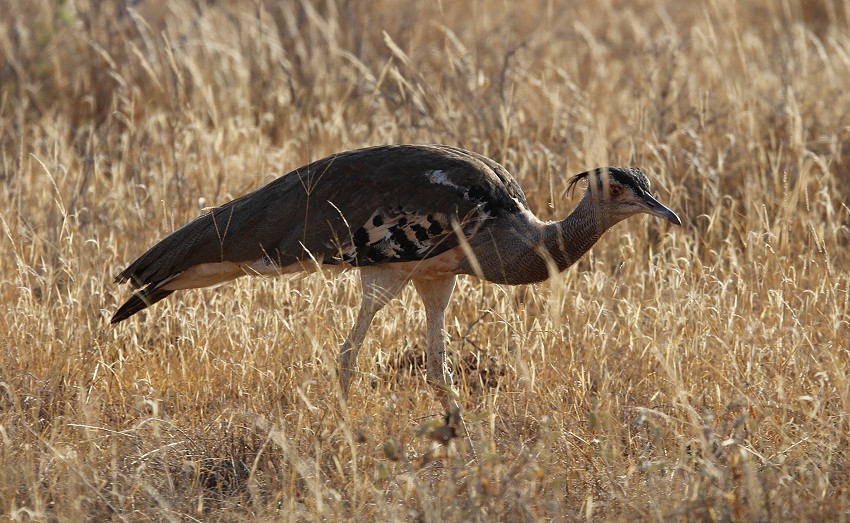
column 627, row 176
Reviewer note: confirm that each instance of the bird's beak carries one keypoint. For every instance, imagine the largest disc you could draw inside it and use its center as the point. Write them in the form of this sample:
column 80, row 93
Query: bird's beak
column 655, row 208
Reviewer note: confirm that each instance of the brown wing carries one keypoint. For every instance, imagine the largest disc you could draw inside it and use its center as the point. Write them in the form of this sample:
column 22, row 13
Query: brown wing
column 363, row 207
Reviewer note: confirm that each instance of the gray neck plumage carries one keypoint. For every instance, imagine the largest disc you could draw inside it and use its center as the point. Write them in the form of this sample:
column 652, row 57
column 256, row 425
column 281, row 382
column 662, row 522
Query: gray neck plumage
column 524, row 255
column 568, row 240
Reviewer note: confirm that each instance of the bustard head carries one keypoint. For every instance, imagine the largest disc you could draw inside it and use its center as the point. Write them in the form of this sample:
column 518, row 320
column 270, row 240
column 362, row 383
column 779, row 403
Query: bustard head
column 620, row 192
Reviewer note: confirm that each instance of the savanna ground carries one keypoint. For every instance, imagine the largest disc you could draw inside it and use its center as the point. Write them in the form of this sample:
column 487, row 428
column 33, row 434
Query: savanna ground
column 693, row 373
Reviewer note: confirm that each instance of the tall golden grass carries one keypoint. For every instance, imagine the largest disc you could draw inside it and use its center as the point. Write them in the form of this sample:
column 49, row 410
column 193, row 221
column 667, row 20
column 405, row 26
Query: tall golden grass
column 699, row 373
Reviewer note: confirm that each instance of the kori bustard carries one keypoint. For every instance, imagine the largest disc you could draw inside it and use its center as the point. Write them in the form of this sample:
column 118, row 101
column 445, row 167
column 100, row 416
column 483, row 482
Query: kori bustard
column 400, row 213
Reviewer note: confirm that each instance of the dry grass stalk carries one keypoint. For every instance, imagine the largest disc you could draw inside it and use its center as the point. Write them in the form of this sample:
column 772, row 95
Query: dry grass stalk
column 700, row 374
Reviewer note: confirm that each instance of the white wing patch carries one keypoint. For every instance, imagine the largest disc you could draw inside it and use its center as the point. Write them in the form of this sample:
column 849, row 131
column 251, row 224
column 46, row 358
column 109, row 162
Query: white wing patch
column 476, row 194
column 440, row 178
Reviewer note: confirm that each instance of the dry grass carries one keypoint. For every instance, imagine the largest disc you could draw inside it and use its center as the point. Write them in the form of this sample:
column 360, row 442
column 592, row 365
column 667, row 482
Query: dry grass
column 698, row 373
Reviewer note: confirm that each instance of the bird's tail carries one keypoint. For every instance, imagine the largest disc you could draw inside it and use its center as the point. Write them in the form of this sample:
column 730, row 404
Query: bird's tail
column 140, row 300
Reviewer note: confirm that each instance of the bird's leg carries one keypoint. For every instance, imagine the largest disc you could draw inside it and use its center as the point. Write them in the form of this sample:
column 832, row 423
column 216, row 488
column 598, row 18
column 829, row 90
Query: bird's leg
column 436, row 294
column 380, row 285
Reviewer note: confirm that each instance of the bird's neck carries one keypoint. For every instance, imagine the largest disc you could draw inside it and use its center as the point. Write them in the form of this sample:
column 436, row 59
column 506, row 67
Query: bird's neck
column 532, row 251
column 569, row 239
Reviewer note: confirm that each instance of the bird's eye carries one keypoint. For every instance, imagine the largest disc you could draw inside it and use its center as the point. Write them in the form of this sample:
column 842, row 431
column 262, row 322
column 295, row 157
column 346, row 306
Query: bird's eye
column 616, row 190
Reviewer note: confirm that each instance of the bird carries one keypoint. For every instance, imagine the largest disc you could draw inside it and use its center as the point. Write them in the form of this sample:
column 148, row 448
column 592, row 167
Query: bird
column 399, row 214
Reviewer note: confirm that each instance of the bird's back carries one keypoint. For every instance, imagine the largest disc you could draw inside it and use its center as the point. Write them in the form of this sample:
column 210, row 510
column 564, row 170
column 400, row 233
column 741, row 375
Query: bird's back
column 365, row 207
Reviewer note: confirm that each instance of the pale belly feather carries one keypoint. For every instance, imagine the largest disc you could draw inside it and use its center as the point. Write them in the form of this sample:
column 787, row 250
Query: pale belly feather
column 213, row 274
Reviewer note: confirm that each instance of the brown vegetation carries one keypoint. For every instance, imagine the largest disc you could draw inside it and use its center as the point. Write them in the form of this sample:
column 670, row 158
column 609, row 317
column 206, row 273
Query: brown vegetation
column 690, row 373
